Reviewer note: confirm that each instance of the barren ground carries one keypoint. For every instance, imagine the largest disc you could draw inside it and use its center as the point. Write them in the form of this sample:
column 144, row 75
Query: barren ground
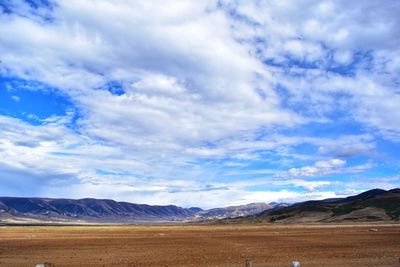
column 266, row 245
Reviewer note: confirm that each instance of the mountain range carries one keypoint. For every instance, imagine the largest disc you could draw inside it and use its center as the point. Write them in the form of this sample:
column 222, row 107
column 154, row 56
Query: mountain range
column 21, row 209
column 237, row 211
column 372, row 205
column 89, row 210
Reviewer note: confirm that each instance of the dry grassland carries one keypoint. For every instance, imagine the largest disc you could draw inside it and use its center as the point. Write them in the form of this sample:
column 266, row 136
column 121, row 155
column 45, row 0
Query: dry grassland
column 266, row 245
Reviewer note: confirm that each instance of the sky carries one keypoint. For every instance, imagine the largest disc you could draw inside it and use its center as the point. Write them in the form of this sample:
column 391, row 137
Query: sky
column 199, row 103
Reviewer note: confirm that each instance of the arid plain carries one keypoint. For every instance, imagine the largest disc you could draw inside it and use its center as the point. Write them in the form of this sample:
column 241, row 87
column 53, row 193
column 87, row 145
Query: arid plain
column 266, row 245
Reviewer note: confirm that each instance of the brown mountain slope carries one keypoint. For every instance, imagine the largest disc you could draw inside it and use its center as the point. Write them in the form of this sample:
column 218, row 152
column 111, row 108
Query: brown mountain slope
column 371, row 206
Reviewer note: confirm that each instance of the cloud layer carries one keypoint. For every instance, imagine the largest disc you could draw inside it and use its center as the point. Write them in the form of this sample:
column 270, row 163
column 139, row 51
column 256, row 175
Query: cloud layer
column 179, row 101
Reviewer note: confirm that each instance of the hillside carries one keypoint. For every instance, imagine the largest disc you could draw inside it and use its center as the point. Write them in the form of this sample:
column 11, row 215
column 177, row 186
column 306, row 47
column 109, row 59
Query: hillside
column 237, row 211
column 88, row 209
column 370, row 206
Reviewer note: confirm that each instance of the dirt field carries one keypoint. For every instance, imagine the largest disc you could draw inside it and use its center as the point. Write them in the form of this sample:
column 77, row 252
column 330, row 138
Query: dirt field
column 201, row 245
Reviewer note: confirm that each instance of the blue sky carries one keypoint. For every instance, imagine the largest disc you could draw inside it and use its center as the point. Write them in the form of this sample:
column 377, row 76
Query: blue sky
column 199, row 103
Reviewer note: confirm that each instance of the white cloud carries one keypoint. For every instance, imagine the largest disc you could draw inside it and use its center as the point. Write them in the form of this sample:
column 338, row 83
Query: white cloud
column 343, row 57
column 333, row 163
column 319, row 168
column 200, row 80
column 15, row 98
column 184, row 79
column 50, row 160
column 327, row 167
column 364, row 33
column 284, row 196
column 303, row 51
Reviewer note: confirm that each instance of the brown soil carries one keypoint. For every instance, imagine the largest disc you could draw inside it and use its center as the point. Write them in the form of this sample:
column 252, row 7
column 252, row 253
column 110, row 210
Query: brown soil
column 266, row 245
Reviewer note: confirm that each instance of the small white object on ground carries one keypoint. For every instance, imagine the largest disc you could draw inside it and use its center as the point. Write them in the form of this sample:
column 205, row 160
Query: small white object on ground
column 295, row 264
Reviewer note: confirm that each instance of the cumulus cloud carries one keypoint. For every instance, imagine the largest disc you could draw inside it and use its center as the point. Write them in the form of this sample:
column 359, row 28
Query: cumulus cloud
column 176, row 73
column 318, row 169
column 200, row 92
column 353, row 54
column 328, row 167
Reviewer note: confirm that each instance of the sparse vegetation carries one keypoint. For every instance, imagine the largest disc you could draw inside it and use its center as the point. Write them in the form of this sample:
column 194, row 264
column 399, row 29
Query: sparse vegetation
column 204, row 246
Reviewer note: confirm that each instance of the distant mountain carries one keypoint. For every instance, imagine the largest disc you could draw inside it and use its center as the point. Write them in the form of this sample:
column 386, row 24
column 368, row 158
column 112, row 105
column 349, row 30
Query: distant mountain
column 89, row 210
column 370, row 206
column 237, row 211
column 15, row 209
